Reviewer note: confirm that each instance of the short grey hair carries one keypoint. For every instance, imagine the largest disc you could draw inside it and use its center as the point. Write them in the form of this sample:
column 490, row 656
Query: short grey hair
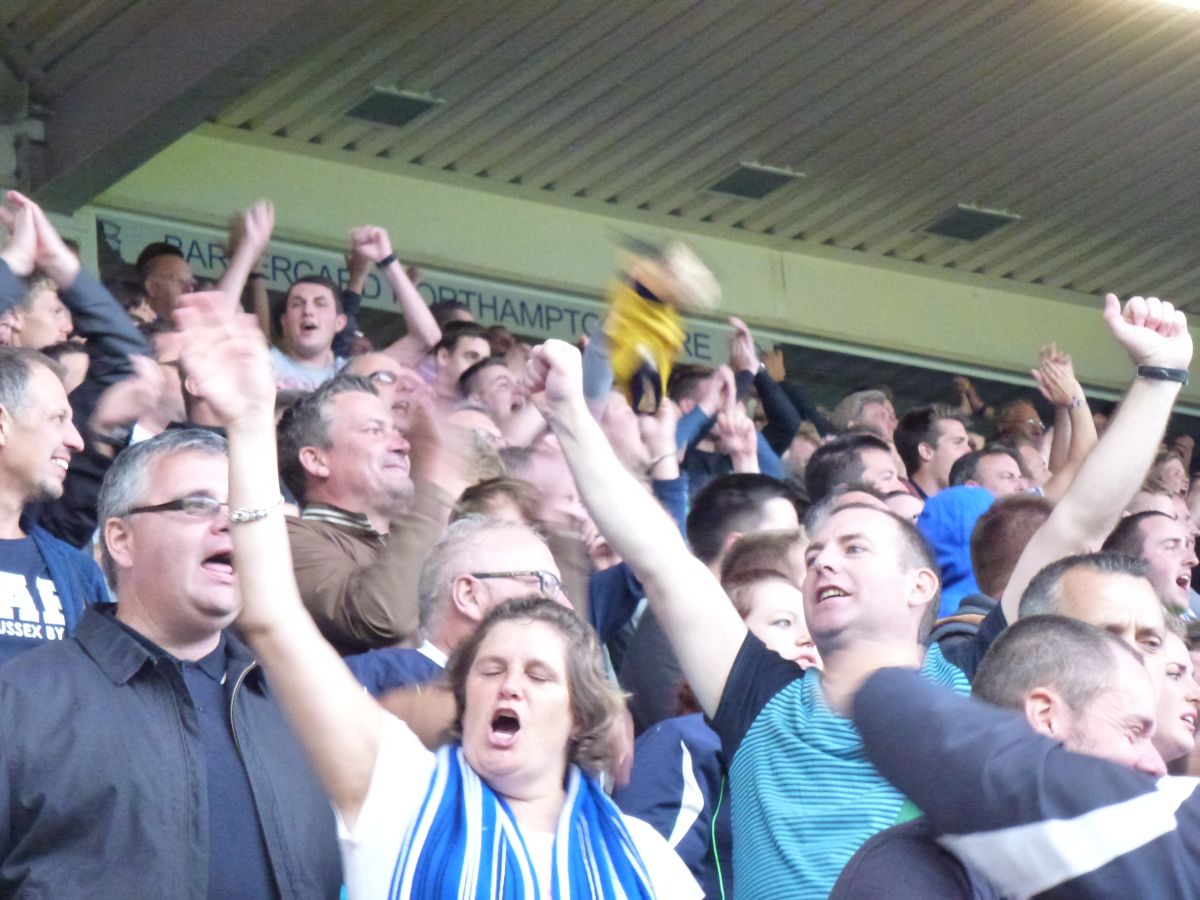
column 446, row 561
column 125, row 482
column 851, row 408
column 16, row 365
column 1044, row 594
column 1074, row 658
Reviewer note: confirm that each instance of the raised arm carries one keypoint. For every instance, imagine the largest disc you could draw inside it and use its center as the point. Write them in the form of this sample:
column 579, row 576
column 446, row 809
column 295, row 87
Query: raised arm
column 339, row 725
column 423, row 332
column 1074, row 428
column 1154, row 334
column 249, row 234
column 701, row 623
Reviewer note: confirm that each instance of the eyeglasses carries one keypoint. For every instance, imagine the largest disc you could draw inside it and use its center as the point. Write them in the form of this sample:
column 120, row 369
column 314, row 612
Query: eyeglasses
column 548, row 583
column 197, row 506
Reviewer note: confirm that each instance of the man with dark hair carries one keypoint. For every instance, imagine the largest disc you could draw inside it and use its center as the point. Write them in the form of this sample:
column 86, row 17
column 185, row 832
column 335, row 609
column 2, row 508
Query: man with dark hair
column 311, row 317
column 995, row 468
column 803, row 796
column 1168, row 548
column 929, row 439
column 145, row 756
column 1071, row 682
column 850, row 459
column 490, row 382
column 165, row 276
column 1110, row 590
column 363, row 527
column 462, row 345
column 725, row 510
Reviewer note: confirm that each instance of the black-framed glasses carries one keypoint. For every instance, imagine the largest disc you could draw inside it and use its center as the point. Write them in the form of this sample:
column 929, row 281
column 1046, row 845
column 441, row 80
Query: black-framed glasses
column 198, row 506
column 548, row 583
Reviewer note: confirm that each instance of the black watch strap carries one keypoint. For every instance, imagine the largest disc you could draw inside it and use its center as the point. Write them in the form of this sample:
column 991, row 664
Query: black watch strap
column 1160, row 373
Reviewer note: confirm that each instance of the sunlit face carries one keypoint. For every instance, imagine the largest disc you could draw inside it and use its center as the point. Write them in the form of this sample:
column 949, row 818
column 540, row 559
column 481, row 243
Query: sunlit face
column 776, row 618
column 517, row 722
column 1118, row 725
column 179, row 564
column 399, row 386
column 467, row 351
column 879, row 470
column 1178, row 701
column 366, row 465
column 856, row 584
column 999, row 474
column 951, row 444
column 1123, row 605
column 1170, row 550
column 1173, row 476
column 879, row 418
column 39, row 438
column 46, row 321
column 496, row 389
column 1035, row 465
column 310, row 321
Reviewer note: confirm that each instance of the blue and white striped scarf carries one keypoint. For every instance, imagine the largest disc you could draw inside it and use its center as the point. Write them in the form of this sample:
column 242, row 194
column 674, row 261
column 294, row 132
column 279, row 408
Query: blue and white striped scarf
column 465, row 843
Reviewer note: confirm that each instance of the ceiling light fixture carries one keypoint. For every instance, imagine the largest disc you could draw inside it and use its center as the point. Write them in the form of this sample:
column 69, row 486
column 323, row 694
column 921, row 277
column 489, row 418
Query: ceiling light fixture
column 752, row 181
column 389, row 106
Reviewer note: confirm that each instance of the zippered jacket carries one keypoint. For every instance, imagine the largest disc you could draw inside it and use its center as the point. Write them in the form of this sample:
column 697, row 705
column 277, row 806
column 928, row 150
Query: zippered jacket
column 103, row 788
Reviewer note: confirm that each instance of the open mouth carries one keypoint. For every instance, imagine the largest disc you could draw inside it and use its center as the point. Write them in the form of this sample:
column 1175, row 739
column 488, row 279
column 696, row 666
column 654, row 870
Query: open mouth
column 829, row 593
column 505, row 728
column 219, row 564
column 1189, row 719
column 1184, row 581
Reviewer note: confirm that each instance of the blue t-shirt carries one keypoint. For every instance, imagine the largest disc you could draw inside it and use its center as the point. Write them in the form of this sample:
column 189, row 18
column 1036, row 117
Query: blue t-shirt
column 804, row 795
column 30, row 611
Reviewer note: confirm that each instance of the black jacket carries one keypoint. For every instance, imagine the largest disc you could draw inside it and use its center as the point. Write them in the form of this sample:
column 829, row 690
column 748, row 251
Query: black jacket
column 103, row 776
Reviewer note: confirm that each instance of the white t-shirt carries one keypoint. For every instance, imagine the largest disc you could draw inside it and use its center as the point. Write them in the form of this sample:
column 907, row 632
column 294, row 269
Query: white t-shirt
column 398, row 786
column 293, row 375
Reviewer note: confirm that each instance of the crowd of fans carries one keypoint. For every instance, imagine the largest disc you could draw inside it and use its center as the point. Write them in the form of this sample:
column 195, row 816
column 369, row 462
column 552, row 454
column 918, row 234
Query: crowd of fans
column 460, row 615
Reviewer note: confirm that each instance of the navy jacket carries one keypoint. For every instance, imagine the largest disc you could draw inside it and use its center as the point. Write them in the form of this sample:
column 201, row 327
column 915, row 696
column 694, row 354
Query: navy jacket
column 103, row 776
column 76, row 577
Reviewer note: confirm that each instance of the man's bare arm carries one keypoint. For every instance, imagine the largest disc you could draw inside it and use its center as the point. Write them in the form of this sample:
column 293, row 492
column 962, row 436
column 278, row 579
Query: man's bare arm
column 705, row 630
column 423, row 332
column 1153, row 333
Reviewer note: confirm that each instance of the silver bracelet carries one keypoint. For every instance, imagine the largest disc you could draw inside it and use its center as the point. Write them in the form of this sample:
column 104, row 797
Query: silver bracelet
column 241, row 516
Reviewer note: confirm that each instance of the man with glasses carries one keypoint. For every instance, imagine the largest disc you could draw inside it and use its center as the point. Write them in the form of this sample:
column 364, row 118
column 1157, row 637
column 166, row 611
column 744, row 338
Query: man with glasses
column 400, row 386
column 145, row 756
column 477, row 564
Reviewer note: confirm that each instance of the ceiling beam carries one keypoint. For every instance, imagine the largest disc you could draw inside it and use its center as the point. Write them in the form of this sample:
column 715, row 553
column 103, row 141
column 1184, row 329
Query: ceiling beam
column 191, row 61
